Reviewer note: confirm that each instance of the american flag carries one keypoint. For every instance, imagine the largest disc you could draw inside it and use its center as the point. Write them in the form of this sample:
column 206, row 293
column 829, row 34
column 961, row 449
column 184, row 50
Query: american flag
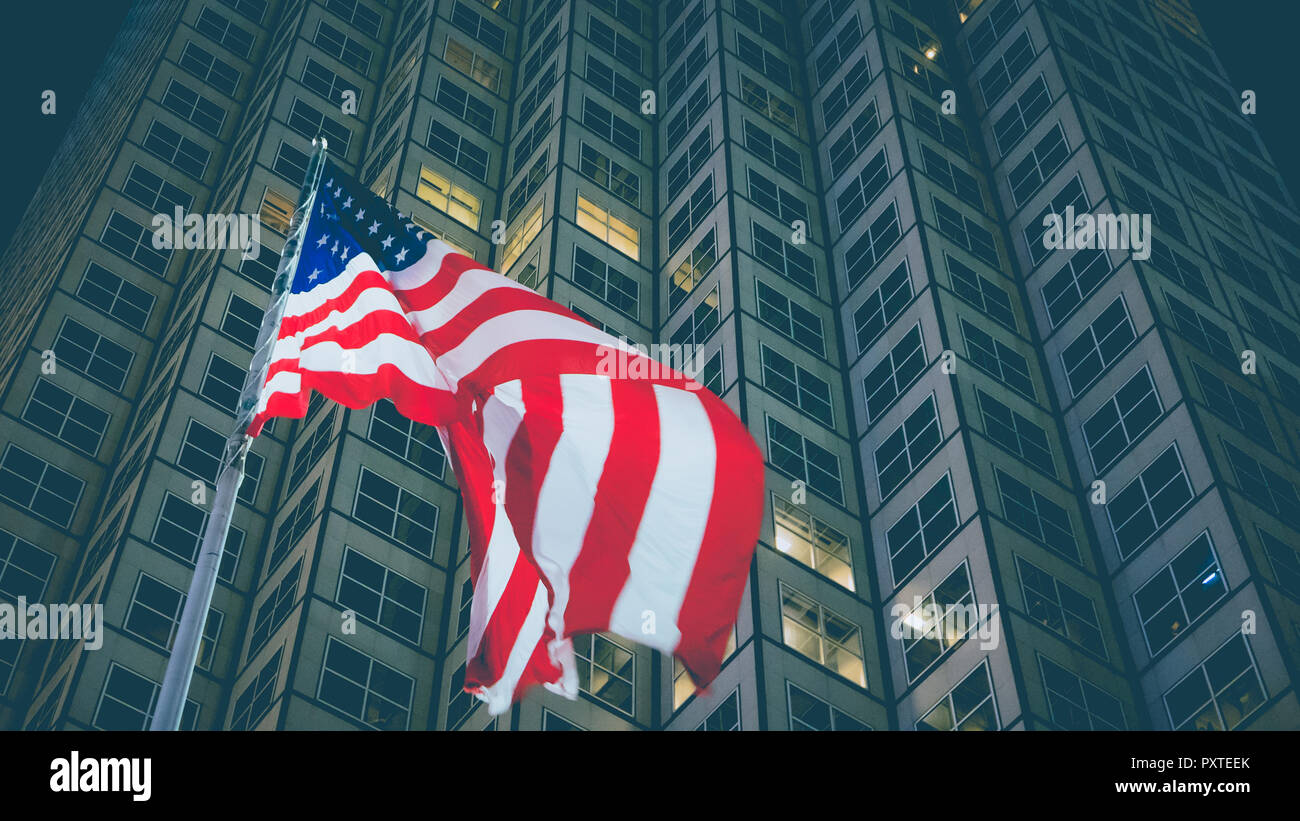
column 595, row 502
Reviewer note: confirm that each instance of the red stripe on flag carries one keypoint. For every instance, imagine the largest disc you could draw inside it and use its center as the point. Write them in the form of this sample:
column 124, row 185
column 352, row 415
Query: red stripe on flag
column 718, row 580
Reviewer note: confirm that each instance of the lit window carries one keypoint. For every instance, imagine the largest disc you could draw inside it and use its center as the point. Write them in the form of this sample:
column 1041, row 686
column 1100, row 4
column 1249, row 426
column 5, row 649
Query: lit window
column 822, row 635
column 683, row 685
column 276, row 211
column 812, row 542
column 613, row 231
column 519, row 240
column 449, row 198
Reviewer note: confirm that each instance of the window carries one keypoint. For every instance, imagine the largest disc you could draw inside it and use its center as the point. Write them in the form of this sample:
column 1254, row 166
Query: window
column 882, row 306
column 1237, row 408
column 693, row 269
column 179, row 530
column 616, row 44
column 460, row 703
column 855, row 138
column 845, row 92
column 128, row 700
column 309, row 123
column 613, row 287
column 24, row 568
column 797, row 386
column 968, row 706
column 762, row 60
column 222, row 31
column 986, row 35
column 153, row 192
column 812, row 542
column 457, row 149
column 364, row 688
column 939, row 126
column 691, row 67
column 776, row 200
column 784, row 258
column 792, row 454
column 135, row 243
column 692, row 160
column 685, row 119
column 520, row 239
column 610, row 175
column 862, row 190
column 343, row 47
column 790, row 318
column 1221, row 693
column 181, row 152
column 66, row 417
column 274, row 608
column 1086, row 269
column 1059, row 607
column 380, row 595
column 952, row 177
column 1263, row 486
column 807, row 712
column 871, row 247
column 939, row 623
column 1023, row 114
column 1200, row 331
column 294, row 526
column 837, row 52
column 1098, row 346
column 411, row 441
column 726, row 716
column 1016, row 433
column 1284, row 558
column 966, row 232
column 997, row 360
column 201, row 454
column 222, row 383
column 911, row 442
column 188, row 104
column 1008, row 68
column 700, row 322
column 1071, row 195
column 107, row 292
column 1149, row 502
column 1078, row 704
column 217, row 73
column 623, row 135
column 609, row 229
column 606, row 671
column 478, row 68
column 980, row 291
column 1180, row 593
column 35, row 485
column 921, row 530
column 242, row 321
column 465, row 106
column 620, row 87
column 1047, row 155
column 773, row 151
column 887, row 381
column 757, row 97
column 822, row 635
column 1036, row 516
column 396, row 512
column 453, row 200
column 155, row 613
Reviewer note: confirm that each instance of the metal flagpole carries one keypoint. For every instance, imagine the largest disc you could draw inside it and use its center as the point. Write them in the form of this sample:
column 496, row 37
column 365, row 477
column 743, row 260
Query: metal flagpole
column 189, row 634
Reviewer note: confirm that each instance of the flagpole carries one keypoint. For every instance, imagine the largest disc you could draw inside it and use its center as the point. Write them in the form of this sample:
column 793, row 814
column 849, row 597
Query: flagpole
column 189, row 634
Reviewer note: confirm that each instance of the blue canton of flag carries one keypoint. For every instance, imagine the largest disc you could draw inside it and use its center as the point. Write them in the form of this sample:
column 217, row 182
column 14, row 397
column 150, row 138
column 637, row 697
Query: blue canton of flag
column 348, row 219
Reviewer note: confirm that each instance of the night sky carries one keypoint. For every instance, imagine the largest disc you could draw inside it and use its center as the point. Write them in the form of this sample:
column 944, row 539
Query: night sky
column 39, row 50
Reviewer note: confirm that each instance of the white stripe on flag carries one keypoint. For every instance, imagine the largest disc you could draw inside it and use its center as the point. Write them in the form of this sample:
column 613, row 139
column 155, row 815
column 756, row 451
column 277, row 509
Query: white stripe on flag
column 668, row 539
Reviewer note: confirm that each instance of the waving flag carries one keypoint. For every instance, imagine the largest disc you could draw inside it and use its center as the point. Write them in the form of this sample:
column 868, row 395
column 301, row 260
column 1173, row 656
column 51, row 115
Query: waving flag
column 598, row 498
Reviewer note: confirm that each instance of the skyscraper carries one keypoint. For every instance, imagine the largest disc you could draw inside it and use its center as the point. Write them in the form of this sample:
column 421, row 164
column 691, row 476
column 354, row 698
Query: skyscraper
column 840, row 204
